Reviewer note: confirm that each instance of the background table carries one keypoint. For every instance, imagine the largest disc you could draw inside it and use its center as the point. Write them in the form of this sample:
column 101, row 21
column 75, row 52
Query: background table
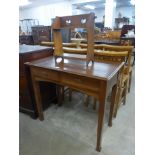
column 27, row 104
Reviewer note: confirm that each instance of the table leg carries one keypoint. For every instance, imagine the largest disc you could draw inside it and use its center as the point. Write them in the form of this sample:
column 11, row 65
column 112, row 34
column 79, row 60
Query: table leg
column 102, row 97
column 38, row 99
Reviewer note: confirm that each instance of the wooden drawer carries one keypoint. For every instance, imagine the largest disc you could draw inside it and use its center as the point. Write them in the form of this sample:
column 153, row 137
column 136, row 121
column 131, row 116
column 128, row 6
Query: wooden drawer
column 80, row 82
column 46, row 74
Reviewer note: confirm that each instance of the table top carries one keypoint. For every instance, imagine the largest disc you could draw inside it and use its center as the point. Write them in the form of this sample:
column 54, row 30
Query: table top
column 99, row 70
column 31, row 48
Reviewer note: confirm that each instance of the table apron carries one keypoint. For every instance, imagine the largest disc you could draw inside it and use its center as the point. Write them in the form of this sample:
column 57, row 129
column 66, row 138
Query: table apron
column 84, row 84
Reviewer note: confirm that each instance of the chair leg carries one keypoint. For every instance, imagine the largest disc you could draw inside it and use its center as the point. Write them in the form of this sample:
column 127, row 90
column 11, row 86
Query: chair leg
column 70, row 94
column 86, row 102
column 125, row 91
column 94, row 104
column 133, row 63
column 63, row 92
column 60, row 90
column 113, row 99
column 130, row 79
column 118, row 98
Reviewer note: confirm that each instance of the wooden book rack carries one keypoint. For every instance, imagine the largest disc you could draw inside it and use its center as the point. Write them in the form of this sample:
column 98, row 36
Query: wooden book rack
column 77, row 21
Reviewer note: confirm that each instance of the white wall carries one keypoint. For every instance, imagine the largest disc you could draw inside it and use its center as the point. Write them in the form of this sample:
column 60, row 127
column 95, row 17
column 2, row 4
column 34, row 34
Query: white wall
column 44, row 13
column 78, row 11
column 125, row 11
column 99, row 13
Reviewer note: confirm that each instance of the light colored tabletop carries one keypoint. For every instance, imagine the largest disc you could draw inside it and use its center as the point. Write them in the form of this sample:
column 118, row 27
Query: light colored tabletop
column 31, row 48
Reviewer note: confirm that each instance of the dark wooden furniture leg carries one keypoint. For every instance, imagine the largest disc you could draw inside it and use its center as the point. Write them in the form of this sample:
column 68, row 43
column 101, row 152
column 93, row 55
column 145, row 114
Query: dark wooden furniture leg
column 102, row 97
column 133, row 63
column 130, row 79
column 38, row 99
column 94, row 104
column 86, row 102
column 118, row 97
column 113, row 99
column 125, row 91
column 70, row 94
column 60, row 90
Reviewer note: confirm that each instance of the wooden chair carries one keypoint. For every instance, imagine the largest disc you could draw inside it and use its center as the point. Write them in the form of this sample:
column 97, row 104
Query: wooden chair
column 123, row 80
column 115, row 48
column 118, row 55
column 128, row 41
column 104, row 52
column 128, row 69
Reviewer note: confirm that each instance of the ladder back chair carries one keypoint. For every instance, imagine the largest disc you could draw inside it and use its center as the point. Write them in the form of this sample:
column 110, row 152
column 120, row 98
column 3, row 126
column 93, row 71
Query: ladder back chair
column 116, row 99
column 128, row 69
